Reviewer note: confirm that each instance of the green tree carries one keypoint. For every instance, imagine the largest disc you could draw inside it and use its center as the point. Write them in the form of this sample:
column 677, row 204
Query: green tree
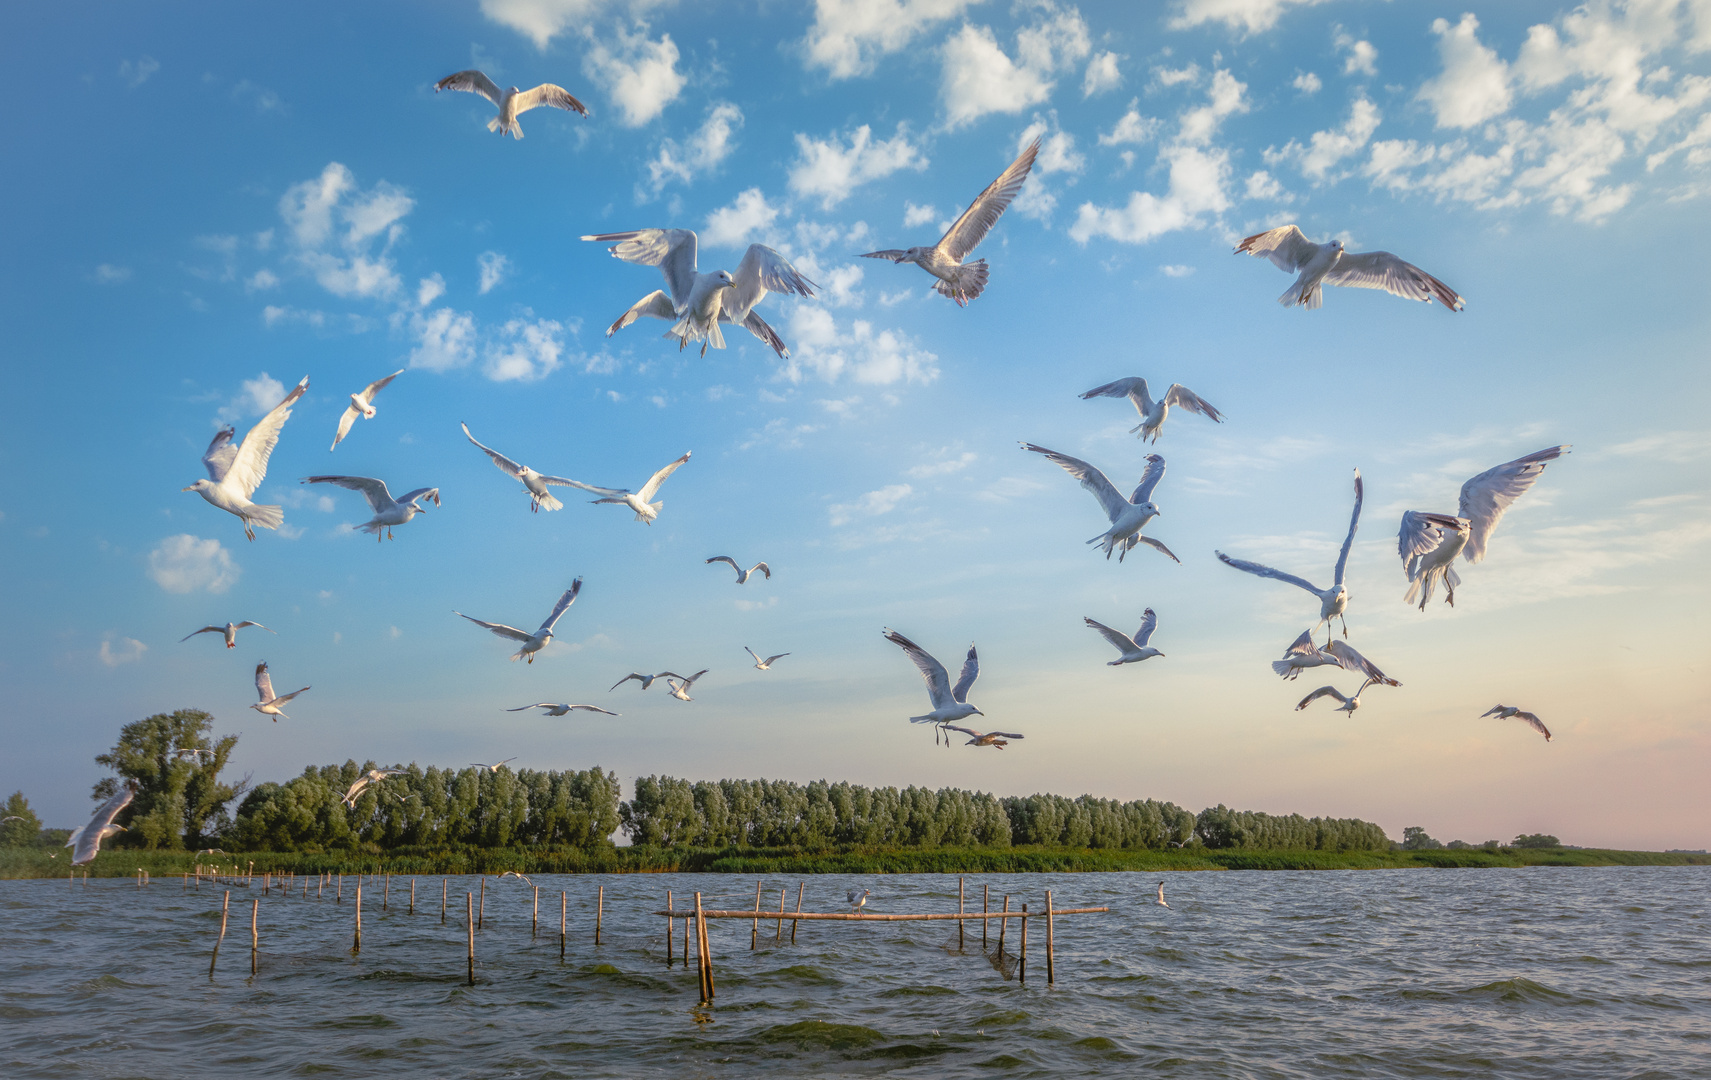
column 1537, row 840
column 1414, row 838
column 26, row 830
column 180, row 800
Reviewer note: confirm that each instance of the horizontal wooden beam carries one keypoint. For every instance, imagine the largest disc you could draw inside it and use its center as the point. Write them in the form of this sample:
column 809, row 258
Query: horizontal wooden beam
column 875, row 917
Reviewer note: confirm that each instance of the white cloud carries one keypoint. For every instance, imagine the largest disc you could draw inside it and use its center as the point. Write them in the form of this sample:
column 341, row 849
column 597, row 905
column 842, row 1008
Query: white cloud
column 918, row 215
column 1678, row 447
column 979, row 78
column 1228, row 97
column 274, row 314
column 1102, row 74
column 1057, row 154
column 493, row 267
column 1251, row 16
column 261, row 281
column 945, row 467
column 828, row 170
column 1263, row 185
column 1362, row 58
column 640, row 75
column 1474, row 85
column 1132, row 128
column 265, row 100
column 128, row 651
column 445, row 339
column 1308, row 83
column 849, row 36
column 704, row 150
column 109, row 274
column 1168, row 77
column 838, row 285
column 1176, row 270
column 185, row 564
column 873, row 504
column 333, row 224
column 138, row 72
column 1325, row 149
column 527, row 350
column 825, row 348
column 749, row 215
column 257, row 397
column 542, row 20
column 430, row 289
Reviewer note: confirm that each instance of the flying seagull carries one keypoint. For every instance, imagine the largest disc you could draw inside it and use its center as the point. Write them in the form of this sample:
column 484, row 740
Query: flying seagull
column 958, row 280
column 645, row 511
column 764, row 665
column 513, row 102
column 388, row 512
column 1160, row 901
column 1349, row 704
column 696, row 303
column 554, row 708
column 85, row 842
column 1127, row 516
column 1303, row 653
column 1505, row 712
column 183, row 752
column 996, row 739
column 490, row 768
column 525, row 879
column 234, row 472
column 270, row 702
column 230, row 630
column 1133, row 649
column 645, row 680
column 743, row 575
column 1429, row 543
column 362, row 404
column 1334, row 601
column 535, row 642
column 372, row 776
column 1153, row 412
column 539, row 497
column 949, row 703
column 1327, row 264
column 680, row 690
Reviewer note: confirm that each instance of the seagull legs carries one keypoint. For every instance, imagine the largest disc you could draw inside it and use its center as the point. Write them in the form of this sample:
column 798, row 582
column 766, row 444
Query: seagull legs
column 249, row 530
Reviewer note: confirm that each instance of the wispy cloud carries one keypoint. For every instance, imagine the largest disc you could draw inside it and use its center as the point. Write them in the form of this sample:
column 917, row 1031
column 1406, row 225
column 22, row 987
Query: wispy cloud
column 186, row 564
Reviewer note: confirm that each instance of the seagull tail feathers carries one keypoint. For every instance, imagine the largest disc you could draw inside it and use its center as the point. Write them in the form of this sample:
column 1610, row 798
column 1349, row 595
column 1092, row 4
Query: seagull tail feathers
column 968, row 282
column 493, row 124
column 550, row 503
column 1282, row 667
column 268, row 517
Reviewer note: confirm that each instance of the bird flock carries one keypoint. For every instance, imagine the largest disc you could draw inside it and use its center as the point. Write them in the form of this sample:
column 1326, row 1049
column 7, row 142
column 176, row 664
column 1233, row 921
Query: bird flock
column 697, row 305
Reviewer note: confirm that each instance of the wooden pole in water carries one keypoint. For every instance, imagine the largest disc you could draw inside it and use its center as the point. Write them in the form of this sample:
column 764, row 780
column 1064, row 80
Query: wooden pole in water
column 356, row 946
column 481, row 915
column 1051, row 968
column 564, row 922
column 535, row 918
column 686, row 940
column 442, row 901
column 782, row 893
column 794, row 923
column 469, row 921
column 386, row 894
column 670, row 926
column 412, row 910
column 255, row 935
column 1003, row 925
column 1022, row 968
column 705, row 963
column 339, row 896
column 754, row 934
column 985, row 896
column 225, row 908
column 959, row 922
column 599, row 913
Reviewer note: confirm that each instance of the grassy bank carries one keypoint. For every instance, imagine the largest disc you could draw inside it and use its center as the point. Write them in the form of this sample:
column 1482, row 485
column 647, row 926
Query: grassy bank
column 27, row 863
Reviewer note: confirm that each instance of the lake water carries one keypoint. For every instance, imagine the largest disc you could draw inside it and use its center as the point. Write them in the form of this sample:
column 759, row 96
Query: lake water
column 1538, row 972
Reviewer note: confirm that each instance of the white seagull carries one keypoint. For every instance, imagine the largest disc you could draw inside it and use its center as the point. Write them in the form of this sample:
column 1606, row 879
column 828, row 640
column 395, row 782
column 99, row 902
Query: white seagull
column 1334, row 601
column 1127, row 516
column 513, row 102
column 680, row 690
column 1153, row 412
column 645, row 680
column 1349, row 704
column 388, row 512
column 539, row 497
column 743, row 575
column 857, row 899
column 1133, row 649
column 763, row 665
column 554, row 708
column 949, row 703
column 362, row 404
column 1429, row 543
column 372, row 776
column 85, row 841
column 959, row 280
column 490, row 768
column 1160, row 901
column 535, row 642
column 998, row 740
column 645, row 511
column 230, row 630
column 270, row 702
column 1506, row 712
column 236, row 471
column 1328, row 264
column 183, row 752
column 696, row 303
column 1303, row 653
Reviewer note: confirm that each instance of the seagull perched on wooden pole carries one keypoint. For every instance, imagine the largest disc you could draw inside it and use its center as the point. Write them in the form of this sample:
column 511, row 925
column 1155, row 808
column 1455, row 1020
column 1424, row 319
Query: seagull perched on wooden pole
column 512, row 103
column 234, row 472
column 362, row 404
column 535, row 642
column 230, row 630
column 270, row 702
column 1153, row 412
column 388, row 512
column 1327, row 264
column 1127, row 516
column 1334, row 601
column 742, row 575
column 539, row 497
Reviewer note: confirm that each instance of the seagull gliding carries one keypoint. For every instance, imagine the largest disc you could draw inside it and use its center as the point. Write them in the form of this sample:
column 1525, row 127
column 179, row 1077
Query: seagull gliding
column 1133, row 649
column 362, row 404
column 535, row 642
column 85, row 841
column 539, row 497
column 1505, row 712
column 1127, row 516
column 1327, row 264
column 388, row 512
column 645, row 511
column 1152, row 412
column 554, row 708
column 230, row 630
column 1334, row 601
column 742, row 575
column 513, row 102
column 764, row 665
column 270, row 702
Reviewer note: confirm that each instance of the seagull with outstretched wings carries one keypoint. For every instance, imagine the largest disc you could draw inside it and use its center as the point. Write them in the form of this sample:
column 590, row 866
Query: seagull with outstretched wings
column 1127, row 516
column 537, row 483
column 362, row 404
column 1334, row 601
column 388, row 512
column 234, row 472
column 1328, row 264
column 535, row 642
column 512, row 103
column 270, row 701
column 1153, row 412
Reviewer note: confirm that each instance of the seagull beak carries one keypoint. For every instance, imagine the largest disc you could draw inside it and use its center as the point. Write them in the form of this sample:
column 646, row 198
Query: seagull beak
column 187, row 489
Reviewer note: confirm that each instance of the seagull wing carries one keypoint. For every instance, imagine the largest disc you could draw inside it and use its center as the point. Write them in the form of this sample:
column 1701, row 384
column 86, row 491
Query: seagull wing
column 373, row 490
column 420, row 493
column 474, row 82
column 971, row 228
column 1110, row 500
column 1323, row 691
column 650, row 488
column 621, row 682
column 559, row 481
column 592, row 708
column 505, row 464
column 550, row 94
column 283, row 698
column 687, row 683
column 204, row 630
column 1182, row 397
column 746, row 649
column 263, row 682
column 562, row 606
column 970, row 732
column 536, row 705
column 1121, row 641
column 498, row 628
column 726, row 559
column 1135, row 389
column 965, row 680
column 368, row 392
column 1002, row 735
column 760, row 328
column 1286, row 247
column 672, row 250
column 1493, row 711
column 249, row 467
column 1302, row 646
column 1158, row 546
column 1535, row 723
column 1354, row 522
column 780, row 656
column 763, row 568
column 1486, row 497
column 87, row 840
column 896, row 255
column 1149, row 623
column 655, row 305
column 1421, row 533
column 1350, row 659
column 1149, row 480
column 345, row 422
column 938, row 680
column 763, row 270
column 1265, row 571
column 1382, row 270
column 217, row 459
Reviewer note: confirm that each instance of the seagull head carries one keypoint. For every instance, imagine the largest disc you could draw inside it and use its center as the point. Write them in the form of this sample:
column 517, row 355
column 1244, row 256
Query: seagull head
column 725, row 279
column 1151, row 508
column 200, row 485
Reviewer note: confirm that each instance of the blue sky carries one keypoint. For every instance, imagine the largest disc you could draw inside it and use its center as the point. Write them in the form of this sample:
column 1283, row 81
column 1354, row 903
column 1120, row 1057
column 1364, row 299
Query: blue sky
column 217, row 201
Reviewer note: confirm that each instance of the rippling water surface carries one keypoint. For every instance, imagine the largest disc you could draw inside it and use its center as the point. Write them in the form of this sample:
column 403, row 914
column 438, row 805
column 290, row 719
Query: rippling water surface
column 1540, row 972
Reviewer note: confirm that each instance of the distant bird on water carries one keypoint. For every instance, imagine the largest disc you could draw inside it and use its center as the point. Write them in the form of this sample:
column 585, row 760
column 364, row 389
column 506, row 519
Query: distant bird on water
column 949, row 703
column 1152, row 412
column 535, row 642
column 1127, row 516
column 362, row 404
column 230, row 630
column 645, row 680
column 742, row 575
column 646, row 511
column 1133, row 649
column 680, row 690
column 554, row 708
column 1334, row 601
column 270, row 702
column 1349, row 704
column 857, row 900
column 85, row 842
column 959, row 280
column 234, row 472
column 388, row 512
column 1327, row 264
column 763, row 665
column 512, row 103
column 539, row 497
column 1506, row 712
column 998, row 740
